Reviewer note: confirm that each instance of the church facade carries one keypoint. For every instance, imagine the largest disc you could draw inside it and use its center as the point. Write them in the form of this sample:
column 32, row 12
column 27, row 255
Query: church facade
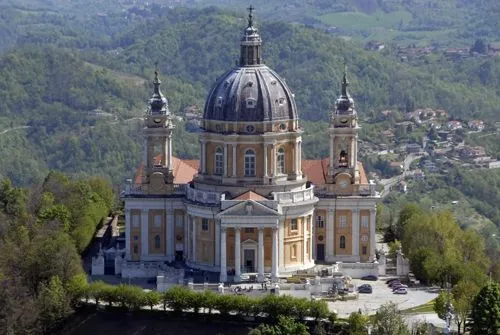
column 250, row 205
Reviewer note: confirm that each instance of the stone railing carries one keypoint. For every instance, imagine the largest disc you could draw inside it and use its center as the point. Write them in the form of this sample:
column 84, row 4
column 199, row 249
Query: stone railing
column 294, row 196
column 142, row 189
column 201, row 196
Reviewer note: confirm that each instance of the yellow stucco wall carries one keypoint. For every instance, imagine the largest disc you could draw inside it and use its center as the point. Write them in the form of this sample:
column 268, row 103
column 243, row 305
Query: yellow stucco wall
column 135, row 236
column 156, row 231
column 364, row 231
column 343, row 231
column 205, row 242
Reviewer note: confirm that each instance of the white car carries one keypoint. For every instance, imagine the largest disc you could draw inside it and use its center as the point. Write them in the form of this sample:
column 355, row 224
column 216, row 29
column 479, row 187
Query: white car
column 401, row 290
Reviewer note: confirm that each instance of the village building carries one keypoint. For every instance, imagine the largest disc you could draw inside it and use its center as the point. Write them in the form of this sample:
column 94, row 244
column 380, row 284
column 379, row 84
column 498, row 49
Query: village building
column 250, row 205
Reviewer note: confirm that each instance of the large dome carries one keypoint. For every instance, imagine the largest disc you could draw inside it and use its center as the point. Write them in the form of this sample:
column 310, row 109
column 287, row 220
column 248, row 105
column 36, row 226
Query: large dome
column 250, row 93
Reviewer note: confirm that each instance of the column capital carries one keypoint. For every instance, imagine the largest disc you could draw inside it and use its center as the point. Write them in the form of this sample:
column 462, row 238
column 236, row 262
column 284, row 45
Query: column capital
column 330, row 211
column 260, row 229
column 373, row 210
column 144, row 211
column 236, row 229
column 128, row 210
column 223, row 229
column 355, row 210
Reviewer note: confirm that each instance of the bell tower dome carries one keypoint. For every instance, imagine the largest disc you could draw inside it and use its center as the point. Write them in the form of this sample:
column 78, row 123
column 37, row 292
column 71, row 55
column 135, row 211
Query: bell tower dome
column 343, row 131
column 158, row 127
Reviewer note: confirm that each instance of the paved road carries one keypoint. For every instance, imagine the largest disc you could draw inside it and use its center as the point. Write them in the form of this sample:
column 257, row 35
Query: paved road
column 13, row 128
column 369, row 303
column 390, row 182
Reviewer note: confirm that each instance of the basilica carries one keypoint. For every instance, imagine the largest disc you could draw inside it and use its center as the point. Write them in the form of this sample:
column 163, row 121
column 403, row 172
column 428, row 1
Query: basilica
column 251, row 204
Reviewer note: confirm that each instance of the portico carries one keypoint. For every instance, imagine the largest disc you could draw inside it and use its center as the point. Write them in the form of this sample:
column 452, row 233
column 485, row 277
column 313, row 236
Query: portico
column 245, row 220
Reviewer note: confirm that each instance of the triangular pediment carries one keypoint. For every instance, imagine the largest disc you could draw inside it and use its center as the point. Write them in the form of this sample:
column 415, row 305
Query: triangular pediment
column 248, row 208
column 249, row 242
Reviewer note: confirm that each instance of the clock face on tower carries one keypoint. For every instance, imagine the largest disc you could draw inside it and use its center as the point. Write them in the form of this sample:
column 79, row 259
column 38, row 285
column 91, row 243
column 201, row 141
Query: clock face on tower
column 157, row 120
column 343, row 183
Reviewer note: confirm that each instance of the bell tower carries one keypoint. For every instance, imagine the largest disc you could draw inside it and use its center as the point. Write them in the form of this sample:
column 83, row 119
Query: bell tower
column 158, row 127
column 343, row 131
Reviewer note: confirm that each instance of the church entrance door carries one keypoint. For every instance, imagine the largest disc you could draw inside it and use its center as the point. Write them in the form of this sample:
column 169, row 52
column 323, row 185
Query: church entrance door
column 320, row 252
column 249, row 260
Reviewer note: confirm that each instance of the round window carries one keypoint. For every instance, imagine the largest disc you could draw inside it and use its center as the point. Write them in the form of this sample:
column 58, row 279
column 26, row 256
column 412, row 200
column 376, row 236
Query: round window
column 320, row 238
column 283, row 126
column 250, row 128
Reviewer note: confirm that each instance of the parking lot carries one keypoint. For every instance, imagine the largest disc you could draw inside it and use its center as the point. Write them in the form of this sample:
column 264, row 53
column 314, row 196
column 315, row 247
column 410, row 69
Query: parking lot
column 369, row 303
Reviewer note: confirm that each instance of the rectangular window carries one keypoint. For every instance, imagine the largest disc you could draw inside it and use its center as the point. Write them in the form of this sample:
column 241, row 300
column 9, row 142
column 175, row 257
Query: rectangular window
column 249, row 230
column 204, row 224
column 219, row 162
column 157, row 242
column 136, row 249
column 320, row 221
column 294, row 225
column 364, row 221
column 342, row 221
column 249, row 163
column 157, row 221
column 308, row 245
column 294, row 251
column 363, row 250
column 179, row 220
column 136, row 219
column 136, row 238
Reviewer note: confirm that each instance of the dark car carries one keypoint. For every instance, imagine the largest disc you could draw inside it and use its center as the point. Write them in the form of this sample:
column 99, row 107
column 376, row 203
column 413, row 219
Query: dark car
column 365, row 288
column 388, row 281
column 394, row 283
column 370, row 277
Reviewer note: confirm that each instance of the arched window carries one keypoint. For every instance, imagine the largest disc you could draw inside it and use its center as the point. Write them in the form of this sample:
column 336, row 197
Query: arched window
column 342, row 242
column 157, row 242
column 343, row 159
column 280, row 161
column 249, row 163
column 219, row 161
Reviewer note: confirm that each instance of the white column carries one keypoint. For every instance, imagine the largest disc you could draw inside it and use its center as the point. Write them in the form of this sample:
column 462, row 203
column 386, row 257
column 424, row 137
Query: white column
column 373, row 240
column 355, row 232
column 331, row 152
column 234, row 160
column 203, row 157
column 169, row 236
column 275, row 161
column 265, row 160
column 274, row 267
column 225, row 161
column 296, row 158
column 237, row 255
column 128, row 222
column 281, row 251
column 299, row 159
column 193, row 236
column 186, row 236
column 144, row 233
column 304, row 238
column 260, row 276
column 355, row 150
column 330, row 226
column 218, row 244
column 313, row 237
column 223, row 264
column 169, row 162
column 311, row 234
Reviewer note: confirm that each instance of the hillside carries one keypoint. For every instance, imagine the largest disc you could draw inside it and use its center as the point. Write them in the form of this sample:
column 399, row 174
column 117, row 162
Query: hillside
column 56, row 92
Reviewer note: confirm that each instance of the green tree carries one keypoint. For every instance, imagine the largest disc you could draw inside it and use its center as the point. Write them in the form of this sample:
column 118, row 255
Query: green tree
column 53, row 303
column 463, row 296
column 285, row 326
column 389, row 321
column 485, row 313
column 356, row 324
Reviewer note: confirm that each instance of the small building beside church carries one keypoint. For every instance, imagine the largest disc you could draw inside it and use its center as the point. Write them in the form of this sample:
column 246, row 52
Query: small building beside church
column 250, row 205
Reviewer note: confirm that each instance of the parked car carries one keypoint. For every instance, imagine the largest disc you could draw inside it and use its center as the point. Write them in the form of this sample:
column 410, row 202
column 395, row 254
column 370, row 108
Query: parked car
column 365, row 288
column 394, row 283
column 401, row 290
column 370, row 277
column 395, row 287
column 388, row 281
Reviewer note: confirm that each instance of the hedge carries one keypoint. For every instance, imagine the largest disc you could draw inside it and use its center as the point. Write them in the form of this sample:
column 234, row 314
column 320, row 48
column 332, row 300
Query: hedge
column 179, row 299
